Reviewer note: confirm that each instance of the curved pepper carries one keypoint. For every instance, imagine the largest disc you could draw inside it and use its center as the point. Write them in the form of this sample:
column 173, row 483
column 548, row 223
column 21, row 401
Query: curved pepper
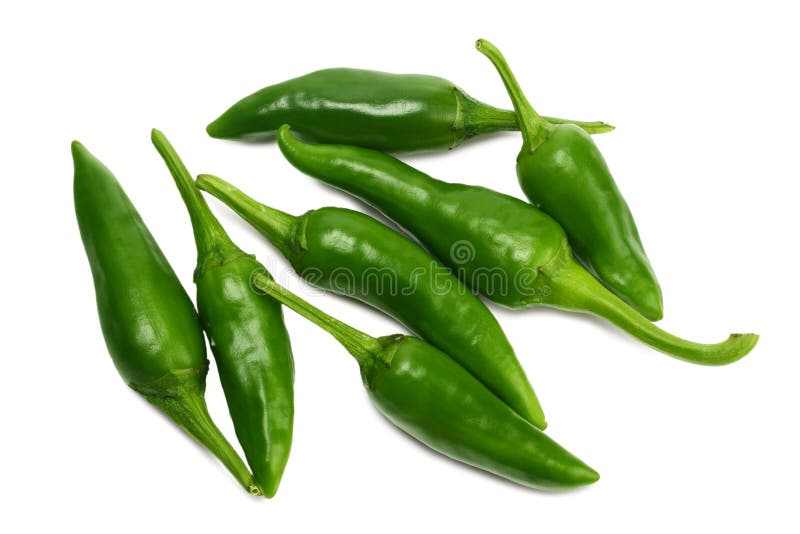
column 389, row 112
column 247, row 335
column 432, row 398
column 148, row 321
column 352, row 254
column 563, row 173
column 500, row 246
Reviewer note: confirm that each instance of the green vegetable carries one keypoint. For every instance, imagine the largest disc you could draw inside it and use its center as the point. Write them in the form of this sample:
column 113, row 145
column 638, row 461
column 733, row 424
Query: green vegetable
column 354, row 255
column 428, row 395
column 563, row 173
column 247, row 335
column 149, row 323
column 390, row 112
column 502, row 247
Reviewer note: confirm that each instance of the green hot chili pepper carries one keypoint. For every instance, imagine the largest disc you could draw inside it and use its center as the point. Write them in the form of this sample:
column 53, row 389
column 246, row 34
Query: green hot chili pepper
column 389, row 112
column 352, row 254
column 563, row 173
column 148, row 321
column 247, row 335
column 428, row 395
column 499, row 245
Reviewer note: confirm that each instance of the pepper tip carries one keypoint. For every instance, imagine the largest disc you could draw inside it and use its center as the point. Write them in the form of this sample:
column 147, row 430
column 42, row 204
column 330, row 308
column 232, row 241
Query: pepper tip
column 77, row 148
column 592, row 476
column 268, row 491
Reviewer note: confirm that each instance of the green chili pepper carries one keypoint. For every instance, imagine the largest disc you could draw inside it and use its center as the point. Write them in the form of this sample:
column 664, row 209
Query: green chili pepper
column 246, row 332
column 502, row 247
column 389, row 112
column 148, row 321
column 352, row 254
column 428, row 395
column 563, row 173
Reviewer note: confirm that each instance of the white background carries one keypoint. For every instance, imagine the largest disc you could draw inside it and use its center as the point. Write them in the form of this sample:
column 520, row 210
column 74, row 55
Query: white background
column 705, row 101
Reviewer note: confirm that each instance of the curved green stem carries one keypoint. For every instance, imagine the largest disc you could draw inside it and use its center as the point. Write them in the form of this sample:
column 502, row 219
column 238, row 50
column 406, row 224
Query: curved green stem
column 571, row 287
column 534, row 128
column 592, row 127
column 275, row 225
column 363, row 347
column 180, row 396
column 480, row 118
column 208, row 232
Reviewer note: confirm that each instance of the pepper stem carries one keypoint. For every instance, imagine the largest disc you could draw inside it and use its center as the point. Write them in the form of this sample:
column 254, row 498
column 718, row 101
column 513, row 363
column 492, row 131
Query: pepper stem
column 209, row 235
column 363, row 347
column 534, row 128
column 180, row 396
column 278, row 227
column 590, row 127
column 572, row 287
column 481, row 118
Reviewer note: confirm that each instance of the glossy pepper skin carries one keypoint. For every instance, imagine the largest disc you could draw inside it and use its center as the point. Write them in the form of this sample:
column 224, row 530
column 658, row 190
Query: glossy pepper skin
column 502, row 247
column 352, row 254
column 563, row 173
column 432, row 398
column 148, row 321
column 388, row 112
column 247, row 334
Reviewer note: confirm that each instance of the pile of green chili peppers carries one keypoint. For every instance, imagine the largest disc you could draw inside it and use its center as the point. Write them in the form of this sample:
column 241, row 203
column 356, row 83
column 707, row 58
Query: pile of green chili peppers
column 456, row 384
